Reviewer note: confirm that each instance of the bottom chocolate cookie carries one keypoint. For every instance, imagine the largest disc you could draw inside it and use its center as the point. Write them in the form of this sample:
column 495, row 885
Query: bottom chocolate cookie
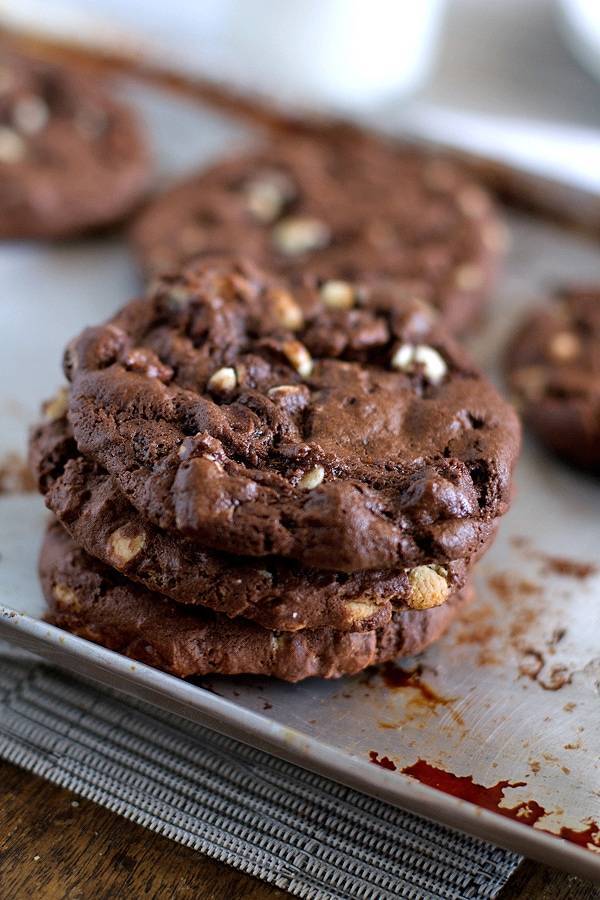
column 94, row 601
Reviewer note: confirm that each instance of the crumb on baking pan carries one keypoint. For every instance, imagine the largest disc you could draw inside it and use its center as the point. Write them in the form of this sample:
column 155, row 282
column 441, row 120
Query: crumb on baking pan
column 569, row 568
column 15, row 477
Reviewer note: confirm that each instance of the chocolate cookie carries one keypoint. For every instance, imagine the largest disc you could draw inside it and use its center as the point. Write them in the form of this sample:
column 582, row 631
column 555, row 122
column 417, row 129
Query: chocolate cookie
column 276, row 593
column 95, row 602
column 553, row 370
column 348, row 206
column 261, row 423
column 71, row 159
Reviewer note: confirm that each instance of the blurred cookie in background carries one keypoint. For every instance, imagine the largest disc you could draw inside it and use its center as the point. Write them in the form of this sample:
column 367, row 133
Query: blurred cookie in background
column 553, row 370
column 349, row 205
column 72, row 159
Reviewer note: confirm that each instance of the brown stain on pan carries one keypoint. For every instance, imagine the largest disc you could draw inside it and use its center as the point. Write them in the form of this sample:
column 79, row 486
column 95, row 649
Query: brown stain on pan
column 533, row 661
column 528, row 812
column 424, row 697
column 385, row 762
column 464, row 787
column 588, row 838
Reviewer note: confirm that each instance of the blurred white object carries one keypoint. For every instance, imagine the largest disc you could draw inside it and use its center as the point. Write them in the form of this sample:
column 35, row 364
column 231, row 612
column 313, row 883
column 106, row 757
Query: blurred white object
column 337, row 53
column 504, row 85
column 340, row 55
column 580, row 21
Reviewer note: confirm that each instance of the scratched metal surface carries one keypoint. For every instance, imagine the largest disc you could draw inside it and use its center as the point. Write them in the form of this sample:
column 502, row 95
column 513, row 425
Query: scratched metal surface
column 511, row 694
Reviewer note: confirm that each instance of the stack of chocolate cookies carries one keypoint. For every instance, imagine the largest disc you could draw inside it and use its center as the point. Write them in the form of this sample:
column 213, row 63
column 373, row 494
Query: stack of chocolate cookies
column 273, row 474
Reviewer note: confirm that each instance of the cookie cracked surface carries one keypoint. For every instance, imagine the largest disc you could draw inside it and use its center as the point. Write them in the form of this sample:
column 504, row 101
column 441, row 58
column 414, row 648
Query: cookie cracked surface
column 325, row 450
column 93, row 601
column 347, row 206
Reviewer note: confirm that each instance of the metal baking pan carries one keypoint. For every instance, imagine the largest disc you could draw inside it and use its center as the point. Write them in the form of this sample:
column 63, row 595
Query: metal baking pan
column 496, row 729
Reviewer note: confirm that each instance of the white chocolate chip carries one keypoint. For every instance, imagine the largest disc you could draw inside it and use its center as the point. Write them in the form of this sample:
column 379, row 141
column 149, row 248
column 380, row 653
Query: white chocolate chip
column 300, row 234
column 267, row 194
column 265, row 574
column 564, row 346
column 284, row 390
column 312, row 478
column 12, row 146
column 473, row 201
column 468, row 277
column 495, row 237
column 65, row 596
column 30, row 114
column 214, row 465
column 337, row 294
column 287, row 312
column 223, row 381
column 428, row 587
column 291, row 397
column 412, row 357
column 358, row 610
column 299, row 357
column 277, row 643
column 57, row 407
column 125, row 543
column 179, row 294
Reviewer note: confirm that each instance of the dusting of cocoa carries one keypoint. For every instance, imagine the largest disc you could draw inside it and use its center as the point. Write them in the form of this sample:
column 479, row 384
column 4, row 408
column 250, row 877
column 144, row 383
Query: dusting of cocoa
column 479, row 629
column 532, row 659
column 508, row 588
column 556, row 565
column 568, row 568
column 15, row 477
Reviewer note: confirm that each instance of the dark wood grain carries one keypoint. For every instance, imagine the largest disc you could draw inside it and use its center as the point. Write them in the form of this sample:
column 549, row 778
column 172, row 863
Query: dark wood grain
column 532, row 881
column 54, row 845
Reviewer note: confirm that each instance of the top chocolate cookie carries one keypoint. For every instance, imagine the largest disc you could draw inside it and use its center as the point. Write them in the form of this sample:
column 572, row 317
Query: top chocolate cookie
column 71, row 159
column 347, row 435
column 553, row 369
column 347, row 206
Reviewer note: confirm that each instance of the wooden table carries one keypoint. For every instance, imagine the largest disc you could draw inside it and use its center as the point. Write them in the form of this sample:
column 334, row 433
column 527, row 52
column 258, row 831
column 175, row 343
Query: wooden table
column 54, row 845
